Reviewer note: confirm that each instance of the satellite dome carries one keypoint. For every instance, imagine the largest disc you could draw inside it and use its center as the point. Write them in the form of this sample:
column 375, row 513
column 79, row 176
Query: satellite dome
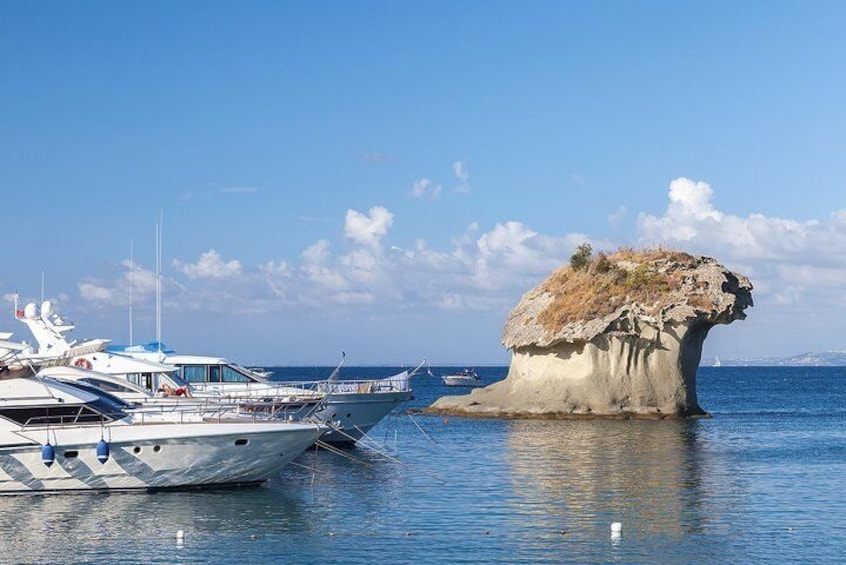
column 30, row 310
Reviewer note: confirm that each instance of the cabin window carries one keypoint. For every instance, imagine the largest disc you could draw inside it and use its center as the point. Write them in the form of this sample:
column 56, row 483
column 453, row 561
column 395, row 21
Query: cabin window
column 107, row 386
column 194, row 373
column 58, row 415
column 214, row 373
column 230, row 375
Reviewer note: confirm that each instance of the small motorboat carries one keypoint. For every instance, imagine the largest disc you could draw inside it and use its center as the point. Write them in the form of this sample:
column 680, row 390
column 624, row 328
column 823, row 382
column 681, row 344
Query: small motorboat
column 467, row 377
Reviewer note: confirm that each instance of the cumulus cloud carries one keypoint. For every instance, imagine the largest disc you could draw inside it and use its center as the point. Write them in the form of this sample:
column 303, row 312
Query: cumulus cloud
column 143, row 281
column 425, row 188
column 276, row 269
column 95, row 293
column 318, row 252
column 367, row 270
column 368, row 229
column 209, row 266
column 691, row 220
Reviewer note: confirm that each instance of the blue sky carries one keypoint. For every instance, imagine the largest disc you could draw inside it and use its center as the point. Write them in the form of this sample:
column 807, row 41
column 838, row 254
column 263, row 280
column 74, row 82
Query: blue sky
column 388, row 178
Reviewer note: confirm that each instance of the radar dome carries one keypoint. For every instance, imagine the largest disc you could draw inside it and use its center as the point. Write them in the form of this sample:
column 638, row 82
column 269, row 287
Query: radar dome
column 30, row 310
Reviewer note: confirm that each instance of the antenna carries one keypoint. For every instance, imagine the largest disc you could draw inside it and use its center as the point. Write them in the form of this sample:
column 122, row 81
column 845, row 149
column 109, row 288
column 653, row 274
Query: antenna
column 42, row 286
column 131, row 273
column 159, row 280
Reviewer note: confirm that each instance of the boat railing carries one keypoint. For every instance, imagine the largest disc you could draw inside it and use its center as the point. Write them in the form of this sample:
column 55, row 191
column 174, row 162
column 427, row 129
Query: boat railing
column 225, row 408
column 297, row 390
column 205, row 410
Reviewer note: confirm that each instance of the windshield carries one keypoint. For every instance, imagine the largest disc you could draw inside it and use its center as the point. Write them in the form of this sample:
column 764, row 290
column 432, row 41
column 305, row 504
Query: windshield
column 107, row 403
column 177, row 380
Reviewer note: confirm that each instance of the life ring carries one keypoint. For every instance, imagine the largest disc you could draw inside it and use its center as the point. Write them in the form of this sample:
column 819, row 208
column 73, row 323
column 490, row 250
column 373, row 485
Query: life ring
column 82, row 363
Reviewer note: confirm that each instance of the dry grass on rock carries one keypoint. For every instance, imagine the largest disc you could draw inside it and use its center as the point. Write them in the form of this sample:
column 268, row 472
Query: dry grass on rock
column 652, row 278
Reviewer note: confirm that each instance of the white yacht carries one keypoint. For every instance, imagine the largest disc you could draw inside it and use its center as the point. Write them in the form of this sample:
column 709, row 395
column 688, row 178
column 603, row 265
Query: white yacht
column 350, row 408
column 55, row 437
column 466, row 377
column 53, row 348
column 169, row 400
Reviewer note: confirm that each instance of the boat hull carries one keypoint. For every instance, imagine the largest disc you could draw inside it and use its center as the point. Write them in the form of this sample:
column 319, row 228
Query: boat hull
column 460, row 380
column 351, row 415
column 154, row 456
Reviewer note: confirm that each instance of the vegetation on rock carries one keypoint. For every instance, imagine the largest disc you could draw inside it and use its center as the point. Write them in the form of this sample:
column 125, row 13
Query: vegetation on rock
column 596, row 286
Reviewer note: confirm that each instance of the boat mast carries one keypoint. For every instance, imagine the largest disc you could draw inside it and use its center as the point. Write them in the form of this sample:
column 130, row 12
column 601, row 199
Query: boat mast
column 159, row 281
column 131, row 274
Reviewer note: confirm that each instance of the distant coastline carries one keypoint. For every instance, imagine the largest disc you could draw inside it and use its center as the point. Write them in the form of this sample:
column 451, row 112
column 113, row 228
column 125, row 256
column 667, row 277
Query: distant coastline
column 809, row 359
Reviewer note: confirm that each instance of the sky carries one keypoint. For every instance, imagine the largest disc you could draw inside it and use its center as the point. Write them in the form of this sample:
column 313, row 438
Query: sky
column 387, row 179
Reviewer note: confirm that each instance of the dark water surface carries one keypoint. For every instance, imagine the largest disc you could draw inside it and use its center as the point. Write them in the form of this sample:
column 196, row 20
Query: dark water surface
column 760, row 482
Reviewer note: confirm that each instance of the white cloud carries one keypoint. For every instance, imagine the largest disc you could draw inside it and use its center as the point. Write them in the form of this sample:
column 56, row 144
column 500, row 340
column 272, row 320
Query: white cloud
column 690, row 211
column 324, row 277
column 317, row 253
column 368, row 229
column 209, row 266
column 314, row 269
column 276, row 269
column 691, row 220
column 425, row 188
column 143, row 281
column 616, row 218
column 796, row 267
column 95, row 293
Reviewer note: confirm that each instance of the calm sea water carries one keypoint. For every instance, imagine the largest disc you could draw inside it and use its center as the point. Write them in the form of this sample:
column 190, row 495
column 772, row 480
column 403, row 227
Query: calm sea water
column 760, row 482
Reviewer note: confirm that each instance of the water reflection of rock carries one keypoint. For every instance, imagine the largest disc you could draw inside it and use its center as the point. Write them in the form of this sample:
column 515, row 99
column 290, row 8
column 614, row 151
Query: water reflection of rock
column 580, row 475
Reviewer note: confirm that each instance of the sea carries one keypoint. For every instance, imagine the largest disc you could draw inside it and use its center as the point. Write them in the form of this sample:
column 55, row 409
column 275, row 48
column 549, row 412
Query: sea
column 760, row 481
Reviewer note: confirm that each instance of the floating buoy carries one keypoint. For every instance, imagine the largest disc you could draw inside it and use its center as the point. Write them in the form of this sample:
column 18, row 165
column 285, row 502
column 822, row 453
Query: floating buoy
column 180, row 535
column 103, row 451
column 616, row 527
column 48, row 454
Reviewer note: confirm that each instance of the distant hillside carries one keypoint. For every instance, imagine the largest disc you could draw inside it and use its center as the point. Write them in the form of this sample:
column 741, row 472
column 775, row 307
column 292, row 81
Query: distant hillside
column 809, row 359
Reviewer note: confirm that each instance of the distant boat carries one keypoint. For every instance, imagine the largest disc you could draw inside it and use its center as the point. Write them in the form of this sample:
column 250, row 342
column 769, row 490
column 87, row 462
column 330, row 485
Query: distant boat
column 261, row 372
column 467, row 377
column 717, row 362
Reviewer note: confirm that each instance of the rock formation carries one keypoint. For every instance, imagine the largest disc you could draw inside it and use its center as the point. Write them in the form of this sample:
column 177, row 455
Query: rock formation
column 615, row 335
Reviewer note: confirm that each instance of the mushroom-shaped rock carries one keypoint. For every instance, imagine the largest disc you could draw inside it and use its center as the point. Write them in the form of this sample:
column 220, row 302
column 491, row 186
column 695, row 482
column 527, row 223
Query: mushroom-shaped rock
column 616, row 335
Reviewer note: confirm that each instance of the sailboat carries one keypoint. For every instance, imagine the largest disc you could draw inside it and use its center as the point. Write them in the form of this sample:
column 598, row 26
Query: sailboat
column 717, row 362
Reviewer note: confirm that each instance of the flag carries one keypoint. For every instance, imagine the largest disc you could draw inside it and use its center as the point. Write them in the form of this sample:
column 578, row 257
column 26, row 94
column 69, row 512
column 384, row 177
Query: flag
column 19, row 314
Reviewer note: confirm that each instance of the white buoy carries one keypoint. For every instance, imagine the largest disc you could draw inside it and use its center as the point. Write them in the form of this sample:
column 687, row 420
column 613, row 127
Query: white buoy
column 180, row 535
column 616, row 527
